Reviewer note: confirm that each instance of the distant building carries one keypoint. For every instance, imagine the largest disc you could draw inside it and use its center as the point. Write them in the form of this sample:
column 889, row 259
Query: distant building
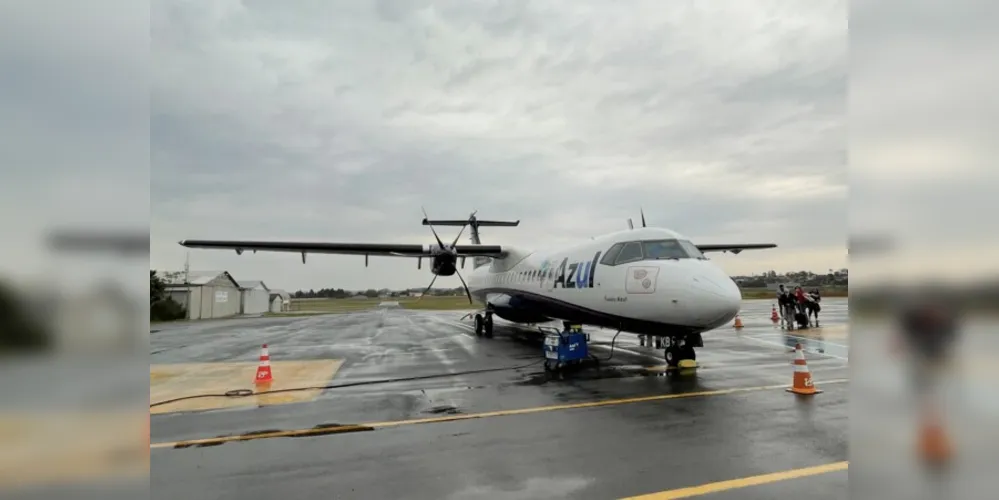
column 205, row 294
column 280, row 301
column 255, row 297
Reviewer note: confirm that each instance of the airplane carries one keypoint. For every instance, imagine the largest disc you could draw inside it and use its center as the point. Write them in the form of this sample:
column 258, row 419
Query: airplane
column 649, row 281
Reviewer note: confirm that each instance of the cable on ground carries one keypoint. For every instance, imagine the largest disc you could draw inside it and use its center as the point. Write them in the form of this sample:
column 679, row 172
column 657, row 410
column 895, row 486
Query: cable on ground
column 242, row 393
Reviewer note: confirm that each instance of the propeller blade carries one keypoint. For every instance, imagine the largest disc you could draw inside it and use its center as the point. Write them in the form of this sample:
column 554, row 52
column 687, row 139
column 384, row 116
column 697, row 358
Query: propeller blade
column 468, row 293
column 439, row 242
column 425, row 292
column 455, row 242
column 643, row 215
column 471, row 218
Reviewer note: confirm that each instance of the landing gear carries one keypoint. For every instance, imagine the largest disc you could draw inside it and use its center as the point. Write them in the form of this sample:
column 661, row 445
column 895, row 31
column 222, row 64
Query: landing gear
column 484, row 325
column 678, row 348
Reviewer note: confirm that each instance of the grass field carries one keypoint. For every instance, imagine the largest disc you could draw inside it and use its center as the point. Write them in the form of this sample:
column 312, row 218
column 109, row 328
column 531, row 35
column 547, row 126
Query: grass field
column 454, row 303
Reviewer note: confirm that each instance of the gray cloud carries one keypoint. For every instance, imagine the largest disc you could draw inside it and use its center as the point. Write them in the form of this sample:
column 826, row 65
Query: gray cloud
column 923, row 111
column 74, row 135
column 337, row 120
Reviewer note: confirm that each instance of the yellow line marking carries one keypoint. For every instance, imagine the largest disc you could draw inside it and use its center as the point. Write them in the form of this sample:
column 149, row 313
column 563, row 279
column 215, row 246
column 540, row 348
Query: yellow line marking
column 744, row 482
column 488, row 414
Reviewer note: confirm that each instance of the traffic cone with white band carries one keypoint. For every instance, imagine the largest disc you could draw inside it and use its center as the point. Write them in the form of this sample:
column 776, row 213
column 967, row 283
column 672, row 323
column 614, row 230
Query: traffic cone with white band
column 802, row 383
column 264, row 375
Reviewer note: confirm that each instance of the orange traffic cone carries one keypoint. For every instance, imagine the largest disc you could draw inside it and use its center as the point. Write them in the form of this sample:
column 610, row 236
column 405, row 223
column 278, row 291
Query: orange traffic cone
column 773, row 315
column 934, row 446
column 802, row 383
column 264, row 375
column 738, row 321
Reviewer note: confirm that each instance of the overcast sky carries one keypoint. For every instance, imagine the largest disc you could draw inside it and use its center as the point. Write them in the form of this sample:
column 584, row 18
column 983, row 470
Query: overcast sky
column 725, row 121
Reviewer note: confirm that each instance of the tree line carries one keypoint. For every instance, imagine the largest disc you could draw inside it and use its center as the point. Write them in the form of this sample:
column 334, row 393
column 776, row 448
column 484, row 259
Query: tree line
column 836, row 278
column 162, row 307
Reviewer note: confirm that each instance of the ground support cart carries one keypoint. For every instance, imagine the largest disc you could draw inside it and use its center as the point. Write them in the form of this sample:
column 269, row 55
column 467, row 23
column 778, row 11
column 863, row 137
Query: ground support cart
column 563, row 349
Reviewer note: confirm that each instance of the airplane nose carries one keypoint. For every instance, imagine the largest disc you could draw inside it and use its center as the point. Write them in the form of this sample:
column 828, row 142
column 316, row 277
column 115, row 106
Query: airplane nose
column 718, row 298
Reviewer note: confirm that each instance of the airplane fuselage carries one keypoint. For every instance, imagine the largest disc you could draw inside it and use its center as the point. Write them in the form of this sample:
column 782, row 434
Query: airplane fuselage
column 628, row 280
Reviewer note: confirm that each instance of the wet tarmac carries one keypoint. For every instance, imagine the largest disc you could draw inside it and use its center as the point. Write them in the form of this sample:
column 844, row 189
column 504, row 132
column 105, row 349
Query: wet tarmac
column 618, row 429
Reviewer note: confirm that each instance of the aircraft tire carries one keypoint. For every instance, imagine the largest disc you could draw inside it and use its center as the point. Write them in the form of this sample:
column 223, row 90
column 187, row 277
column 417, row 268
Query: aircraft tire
column 672, row 357
column 673, row 351
column 688, row 353
column 478, row 325
column 487, row 326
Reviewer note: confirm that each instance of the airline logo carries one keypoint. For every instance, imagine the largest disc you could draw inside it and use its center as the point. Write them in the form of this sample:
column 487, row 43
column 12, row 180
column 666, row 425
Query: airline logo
column 571, row 274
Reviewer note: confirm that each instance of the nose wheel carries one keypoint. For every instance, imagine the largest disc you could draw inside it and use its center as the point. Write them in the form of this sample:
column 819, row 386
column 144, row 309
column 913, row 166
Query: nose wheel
column 677, row 349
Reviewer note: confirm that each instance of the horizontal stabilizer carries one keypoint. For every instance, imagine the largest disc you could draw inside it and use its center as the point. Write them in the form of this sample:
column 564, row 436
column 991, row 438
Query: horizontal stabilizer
column 480, row 223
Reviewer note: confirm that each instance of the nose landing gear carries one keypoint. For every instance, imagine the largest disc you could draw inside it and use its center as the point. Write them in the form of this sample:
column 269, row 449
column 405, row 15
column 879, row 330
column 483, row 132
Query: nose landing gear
column 680, row 348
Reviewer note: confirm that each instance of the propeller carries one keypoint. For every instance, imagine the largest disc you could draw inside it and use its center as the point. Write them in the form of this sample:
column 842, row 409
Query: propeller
column 450, row 250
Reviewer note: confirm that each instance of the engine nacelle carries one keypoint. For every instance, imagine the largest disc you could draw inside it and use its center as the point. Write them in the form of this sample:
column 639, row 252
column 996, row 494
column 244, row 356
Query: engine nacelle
column 444, row 265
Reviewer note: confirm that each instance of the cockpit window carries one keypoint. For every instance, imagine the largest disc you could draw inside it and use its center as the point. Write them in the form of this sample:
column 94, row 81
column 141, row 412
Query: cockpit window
column 608, row 258
column 664, row 249
column 632, row 252
column 692, row 250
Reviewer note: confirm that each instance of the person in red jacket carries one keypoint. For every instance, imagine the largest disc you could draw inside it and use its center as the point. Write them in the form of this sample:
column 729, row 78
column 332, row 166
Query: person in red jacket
column 799, row 297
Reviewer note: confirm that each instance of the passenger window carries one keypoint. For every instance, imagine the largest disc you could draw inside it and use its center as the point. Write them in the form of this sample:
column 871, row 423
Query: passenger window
column 631, row 252
column 608, row 258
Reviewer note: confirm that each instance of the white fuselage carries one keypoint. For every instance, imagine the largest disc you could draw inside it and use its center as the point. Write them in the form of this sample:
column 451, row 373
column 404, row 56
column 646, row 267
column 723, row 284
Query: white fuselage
column 640, row 294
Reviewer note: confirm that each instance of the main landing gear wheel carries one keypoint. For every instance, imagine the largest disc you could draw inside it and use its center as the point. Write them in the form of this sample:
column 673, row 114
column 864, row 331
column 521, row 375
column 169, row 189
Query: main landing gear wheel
column 484, row 325
column 676, row 349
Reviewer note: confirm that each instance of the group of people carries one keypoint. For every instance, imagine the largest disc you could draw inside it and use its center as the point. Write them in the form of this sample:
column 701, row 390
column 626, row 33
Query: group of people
column 798, row 306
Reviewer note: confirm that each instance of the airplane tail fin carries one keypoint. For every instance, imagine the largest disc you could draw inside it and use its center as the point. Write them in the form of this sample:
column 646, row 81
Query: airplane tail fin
column 474, row 225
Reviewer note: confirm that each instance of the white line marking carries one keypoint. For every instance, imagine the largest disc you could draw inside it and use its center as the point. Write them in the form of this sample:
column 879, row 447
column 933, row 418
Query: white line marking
column 786, row 347
column 812, row 339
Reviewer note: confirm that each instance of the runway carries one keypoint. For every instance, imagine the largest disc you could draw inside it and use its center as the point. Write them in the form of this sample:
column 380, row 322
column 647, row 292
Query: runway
column 621, row 430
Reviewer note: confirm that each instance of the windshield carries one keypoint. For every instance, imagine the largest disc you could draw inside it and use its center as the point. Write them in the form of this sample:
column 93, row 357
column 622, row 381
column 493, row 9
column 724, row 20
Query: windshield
column 664, row 249
column 692, row 250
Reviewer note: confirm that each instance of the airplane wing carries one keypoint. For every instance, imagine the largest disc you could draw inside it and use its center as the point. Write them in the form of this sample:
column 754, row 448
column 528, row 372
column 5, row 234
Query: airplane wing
column 735, row 248
column 381, row 249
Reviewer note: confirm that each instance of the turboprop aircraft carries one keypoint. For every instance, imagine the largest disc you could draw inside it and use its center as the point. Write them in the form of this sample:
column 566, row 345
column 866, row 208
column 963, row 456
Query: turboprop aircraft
column 644, row 281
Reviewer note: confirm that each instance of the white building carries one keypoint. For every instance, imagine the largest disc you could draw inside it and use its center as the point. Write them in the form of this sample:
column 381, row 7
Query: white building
column 280, row 301
column 205, row 294
column 255, row 297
